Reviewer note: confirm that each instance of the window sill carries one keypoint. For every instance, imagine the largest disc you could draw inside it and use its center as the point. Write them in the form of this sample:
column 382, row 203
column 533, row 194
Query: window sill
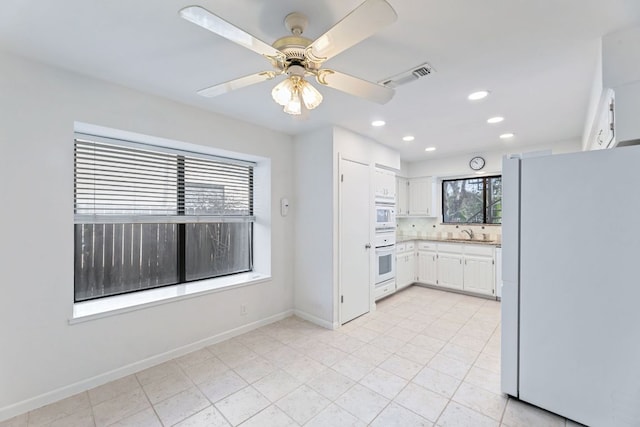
column 109, row 306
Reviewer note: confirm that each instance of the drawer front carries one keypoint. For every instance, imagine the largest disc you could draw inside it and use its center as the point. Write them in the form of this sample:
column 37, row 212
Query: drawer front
column 427, row 246
column 482, row 250
column 383, row 291
column 405, row 247
column 452, row 248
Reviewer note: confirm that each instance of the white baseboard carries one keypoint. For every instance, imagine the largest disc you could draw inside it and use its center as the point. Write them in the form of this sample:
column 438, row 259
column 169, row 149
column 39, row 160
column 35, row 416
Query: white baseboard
column 316, row 320
column 80, row 386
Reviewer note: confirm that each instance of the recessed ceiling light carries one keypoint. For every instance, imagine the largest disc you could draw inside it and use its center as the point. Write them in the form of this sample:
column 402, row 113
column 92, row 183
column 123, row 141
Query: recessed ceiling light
column 506, row 136
column 408, row 138
column 378, row 123
column 497, row 119
column 478, row 95
column 430, row 149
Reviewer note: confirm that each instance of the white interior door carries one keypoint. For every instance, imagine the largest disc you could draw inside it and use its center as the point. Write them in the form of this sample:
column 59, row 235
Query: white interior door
column 355, row 243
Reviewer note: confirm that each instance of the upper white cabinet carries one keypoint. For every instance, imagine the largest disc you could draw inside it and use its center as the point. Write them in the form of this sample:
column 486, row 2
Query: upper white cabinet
column 402, row 196
column 384, row 185
column 420, row 197
column 415, row 196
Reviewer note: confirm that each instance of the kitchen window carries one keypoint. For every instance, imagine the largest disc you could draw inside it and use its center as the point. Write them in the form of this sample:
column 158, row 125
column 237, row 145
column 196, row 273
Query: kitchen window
column 472, row 200
column 150, row 216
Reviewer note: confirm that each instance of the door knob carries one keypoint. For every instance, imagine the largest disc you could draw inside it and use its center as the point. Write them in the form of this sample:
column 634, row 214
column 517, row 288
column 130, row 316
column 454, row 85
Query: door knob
column 367, row 246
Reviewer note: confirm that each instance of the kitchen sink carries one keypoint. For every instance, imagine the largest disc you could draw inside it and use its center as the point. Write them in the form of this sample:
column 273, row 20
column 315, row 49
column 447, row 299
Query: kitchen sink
column 468, row 240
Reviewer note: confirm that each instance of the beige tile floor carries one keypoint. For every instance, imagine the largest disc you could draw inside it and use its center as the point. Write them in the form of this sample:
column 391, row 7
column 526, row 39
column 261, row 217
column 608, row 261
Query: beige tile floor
column 423, row 358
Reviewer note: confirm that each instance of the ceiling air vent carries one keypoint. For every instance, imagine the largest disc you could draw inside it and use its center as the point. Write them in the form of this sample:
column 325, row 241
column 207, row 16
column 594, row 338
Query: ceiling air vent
column 408, row 76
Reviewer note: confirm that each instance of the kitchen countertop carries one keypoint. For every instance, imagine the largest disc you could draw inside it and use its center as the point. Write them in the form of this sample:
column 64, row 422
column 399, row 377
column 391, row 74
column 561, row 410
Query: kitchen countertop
column 401, row 239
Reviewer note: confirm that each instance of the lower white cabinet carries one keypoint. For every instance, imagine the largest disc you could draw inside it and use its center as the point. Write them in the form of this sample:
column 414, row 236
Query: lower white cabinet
column 405, row 264
column 427, row 263
column 464, row 267
column 479, row 269
column 450, row 271
column 478, row 275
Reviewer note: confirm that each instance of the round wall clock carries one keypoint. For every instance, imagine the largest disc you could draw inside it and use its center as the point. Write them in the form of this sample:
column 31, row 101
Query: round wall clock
column 476, row 163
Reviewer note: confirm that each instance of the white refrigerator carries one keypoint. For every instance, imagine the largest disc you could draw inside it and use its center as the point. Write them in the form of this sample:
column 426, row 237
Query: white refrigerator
column 571, row 284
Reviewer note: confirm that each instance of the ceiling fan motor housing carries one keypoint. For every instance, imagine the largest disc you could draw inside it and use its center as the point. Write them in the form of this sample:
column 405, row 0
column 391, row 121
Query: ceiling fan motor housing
column 295, row 45
column 296, row 69
column 296, row 23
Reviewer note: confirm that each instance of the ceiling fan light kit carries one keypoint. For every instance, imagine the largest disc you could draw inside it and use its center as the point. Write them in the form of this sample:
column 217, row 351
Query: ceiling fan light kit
column 295, row 91
column 298, row 57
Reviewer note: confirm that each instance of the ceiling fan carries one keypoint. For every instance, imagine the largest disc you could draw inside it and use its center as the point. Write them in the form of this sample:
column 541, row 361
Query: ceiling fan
column 298, row 57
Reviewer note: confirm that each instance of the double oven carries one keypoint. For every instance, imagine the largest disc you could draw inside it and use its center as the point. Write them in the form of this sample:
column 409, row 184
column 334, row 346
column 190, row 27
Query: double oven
column 385, row 244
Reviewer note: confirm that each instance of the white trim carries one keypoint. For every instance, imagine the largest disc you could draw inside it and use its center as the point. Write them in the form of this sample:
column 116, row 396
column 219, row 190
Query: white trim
column 316, row 320
column 108, row 306
column 63, row 392
column 117, row 304
column 107, row 132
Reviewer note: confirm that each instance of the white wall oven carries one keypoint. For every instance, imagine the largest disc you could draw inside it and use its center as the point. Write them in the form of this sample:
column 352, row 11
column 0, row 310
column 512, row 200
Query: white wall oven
column 385, row 216
column 385, row 250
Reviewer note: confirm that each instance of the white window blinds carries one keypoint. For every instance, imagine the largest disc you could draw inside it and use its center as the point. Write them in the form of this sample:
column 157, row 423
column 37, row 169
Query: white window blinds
column 125, row 182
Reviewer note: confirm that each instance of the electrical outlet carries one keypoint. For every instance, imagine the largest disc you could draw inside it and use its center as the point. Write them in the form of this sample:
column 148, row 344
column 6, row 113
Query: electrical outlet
column 243, row 309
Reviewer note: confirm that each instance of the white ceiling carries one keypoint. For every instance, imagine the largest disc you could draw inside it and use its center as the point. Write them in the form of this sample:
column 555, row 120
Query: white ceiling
column 537, row 57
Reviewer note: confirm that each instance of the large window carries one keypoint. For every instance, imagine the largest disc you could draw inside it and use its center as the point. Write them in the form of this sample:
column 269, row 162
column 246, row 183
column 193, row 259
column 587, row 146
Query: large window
column 147, row 217
column 472, row 200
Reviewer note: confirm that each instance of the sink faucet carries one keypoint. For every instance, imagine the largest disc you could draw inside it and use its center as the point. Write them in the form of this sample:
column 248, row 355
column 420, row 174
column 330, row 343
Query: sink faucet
column 469, row 232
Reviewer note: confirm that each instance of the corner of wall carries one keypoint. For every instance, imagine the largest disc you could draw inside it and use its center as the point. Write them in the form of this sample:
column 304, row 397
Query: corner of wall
column 312, row 206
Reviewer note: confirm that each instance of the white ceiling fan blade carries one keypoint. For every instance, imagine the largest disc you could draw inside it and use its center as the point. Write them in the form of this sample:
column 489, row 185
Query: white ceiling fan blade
column 226, row 87
column 364, row 21
column 219, row 26
column 355, row 86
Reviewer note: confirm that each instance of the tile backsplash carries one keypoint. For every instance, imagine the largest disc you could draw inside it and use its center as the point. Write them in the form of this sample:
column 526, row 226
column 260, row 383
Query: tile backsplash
column 420, row 227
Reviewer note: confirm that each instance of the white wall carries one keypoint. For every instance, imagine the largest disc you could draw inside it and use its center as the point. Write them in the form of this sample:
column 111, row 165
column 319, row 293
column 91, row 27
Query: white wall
column 42, row 357
column 621, row 57
column 356, row 147
column 621, row 72
column 365, row 150
column 459, row 165
column 312, row 207
column 316, row 210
